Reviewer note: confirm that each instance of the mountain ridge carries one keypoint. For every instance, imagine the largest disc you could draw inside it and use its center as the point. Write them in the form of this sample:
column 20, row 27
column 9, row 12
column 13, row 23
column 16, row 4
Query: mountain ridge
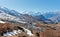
column 47, row 17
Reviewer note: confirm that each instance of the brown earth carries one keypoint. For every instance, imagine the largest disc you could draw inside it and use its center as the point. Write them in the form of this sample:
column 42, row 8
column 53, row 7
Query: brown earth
column 6, row 27
column 48, row 30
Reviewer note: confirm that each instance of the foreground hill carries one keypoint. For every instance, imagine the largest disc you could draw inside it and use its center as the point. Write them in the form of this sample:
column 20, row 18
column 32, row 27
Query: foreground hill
column 11, row 30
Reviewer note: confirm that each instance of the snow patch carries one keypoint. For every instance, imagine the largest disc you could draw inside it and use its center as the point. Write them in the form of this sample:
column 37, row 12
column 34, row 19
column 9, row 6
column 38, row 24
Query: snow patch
column 12, row 33
column 28, row 32
column 2, row 22
column 22, row 22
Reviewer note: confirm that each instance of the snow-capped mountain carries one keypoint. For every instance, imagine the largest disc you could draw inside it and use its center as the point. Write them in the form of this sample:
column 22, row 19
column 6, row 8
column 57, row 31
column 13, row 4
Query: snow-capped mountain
column 49, row 17
column 8, row 11
column 12, row 15
column 46, row 17
column 8, row 17
column 54, row 16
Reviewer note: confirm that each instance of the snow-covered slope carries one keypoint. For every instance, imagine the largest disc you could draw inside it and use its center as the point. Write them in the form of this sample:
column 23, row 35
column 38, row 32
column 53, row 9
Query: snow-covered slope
column 8, row 17
column 12, row 15
column 49, row 17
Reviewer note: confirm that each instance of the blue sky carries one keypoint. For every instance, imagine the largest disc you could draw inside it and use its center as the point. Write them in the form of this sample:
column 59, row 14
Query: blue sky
column 31, row 5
